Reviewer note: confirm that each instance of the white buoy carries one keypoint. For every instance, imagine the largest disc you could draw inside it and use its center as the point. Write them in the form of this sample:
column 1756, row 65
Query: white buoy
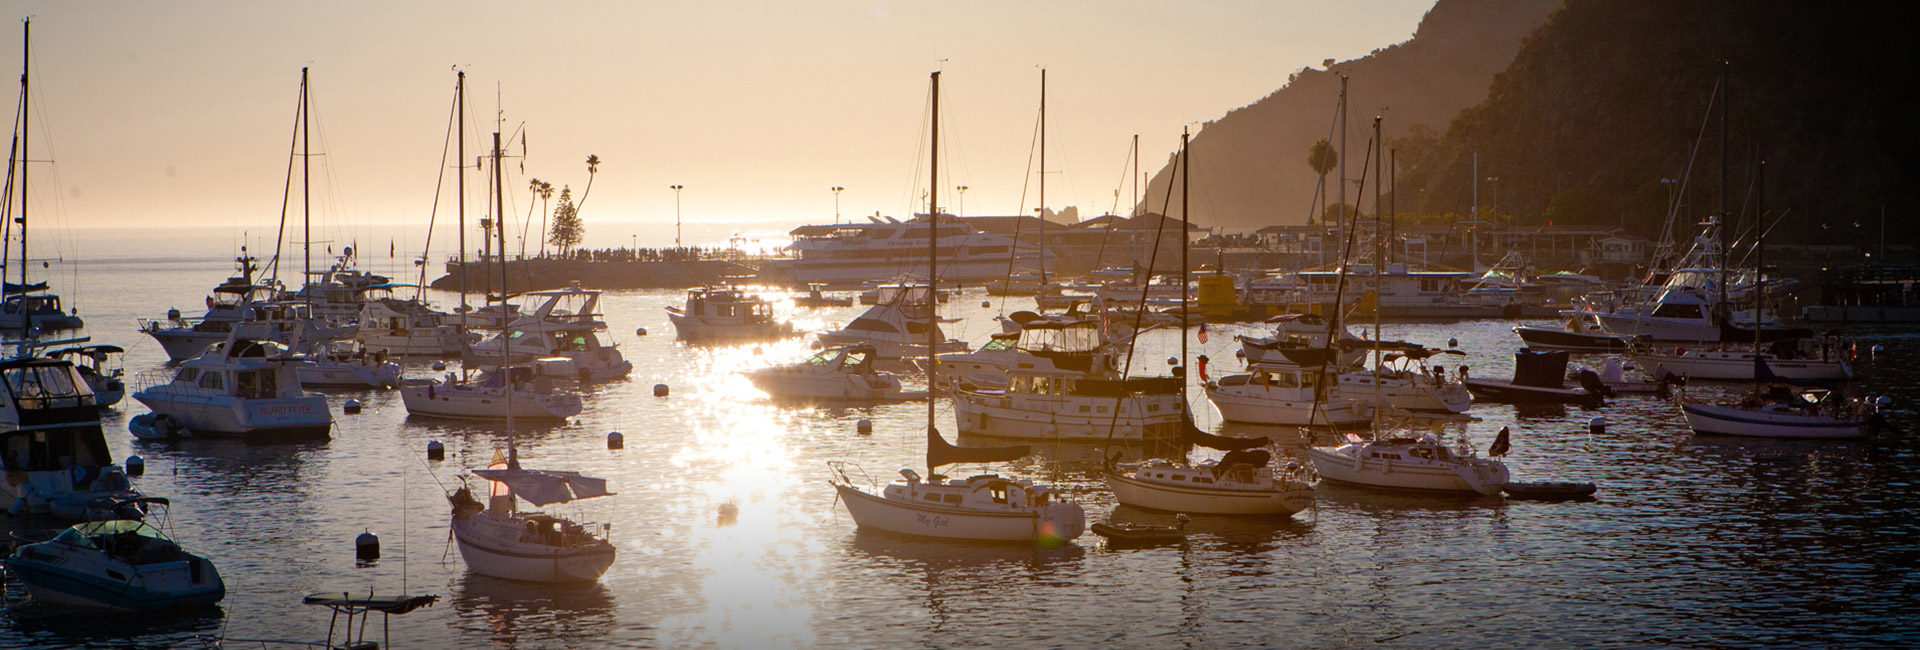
column 137, row 465
column 350, row 406
column 640, row 331
column 659, row 390
column 439, row 366
column 1597, row 425
column 864, row 427
column 616, row 441
column 366, row 547
column 436, row 451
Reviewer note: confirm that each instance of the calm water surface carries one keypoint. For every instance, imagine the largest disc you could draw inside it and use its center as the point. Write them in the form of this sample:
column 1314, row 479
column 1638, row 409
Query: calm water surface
column 1693, row 542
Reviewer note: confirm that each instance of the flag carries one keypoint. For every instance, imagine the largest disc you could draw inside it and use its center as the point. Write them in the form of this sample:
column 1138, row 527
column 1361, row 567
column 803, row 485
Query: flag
column 390, row 249
column 1501, row 445
column 1203, row 336
column 1203, row 365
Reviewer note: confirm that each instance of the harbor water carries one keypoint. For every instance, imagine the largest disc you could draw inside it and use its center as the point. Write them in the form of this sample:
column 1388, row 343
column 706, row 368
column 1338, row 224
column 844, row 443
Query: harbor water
column 1692, row 542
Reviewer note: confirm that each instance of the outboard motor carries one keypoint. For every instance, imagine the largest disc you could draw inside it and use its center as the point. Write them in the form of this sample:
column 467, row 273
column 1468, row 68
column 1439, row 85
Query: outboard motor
column 1592, row 383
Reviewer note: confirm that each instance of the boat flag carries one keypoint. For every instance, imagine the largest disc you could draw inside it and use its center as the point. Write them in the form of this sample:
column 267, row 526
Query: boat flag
column 1203, row 335
column 1203, row 367
column 1501, row 443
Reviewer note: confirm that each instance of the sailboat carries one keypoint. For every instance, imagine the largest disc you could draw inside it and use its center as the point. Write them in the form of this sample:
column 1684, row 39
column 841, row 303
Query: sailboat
column 987, row 507
column 1422, row 463
column 1240, row 483
column 26, row 307
column 1774, row 409
column 507, row 391
column 499, row 540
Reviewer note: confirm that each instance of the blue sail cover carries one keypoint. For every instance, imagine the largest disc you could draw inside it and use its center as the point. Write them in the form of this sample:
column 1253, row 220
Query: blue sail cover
column 542, row 488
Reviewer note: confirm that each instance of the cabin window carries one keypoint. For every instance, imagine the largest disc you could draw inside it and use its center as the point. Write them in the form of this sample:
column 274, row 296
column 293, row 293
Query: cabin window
column 1287, row 380
column 1178, row 477
column 1153, row 407
column 951, row 498
column 1203, row 479
column 1677, row 311
column 212, row 381
column 1103, row 409
column 999, row 494
column 1040, row 385
column 187, row 374
column 932, row 497
column 1084, row 408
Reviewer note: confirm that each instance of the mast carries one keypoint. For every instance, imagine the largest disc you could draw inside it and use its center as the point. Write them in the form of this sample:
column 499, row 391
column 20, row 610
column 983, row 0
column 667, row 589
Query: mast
column 1760, row 275
column 1379, row 272
column 1343, row 152
column 26, row 50
column 933, row 258
column 1725, row 107
column 460, row 183
column 506, row 333
column 1186, row 172
column 306, row 196
column 1042, row 240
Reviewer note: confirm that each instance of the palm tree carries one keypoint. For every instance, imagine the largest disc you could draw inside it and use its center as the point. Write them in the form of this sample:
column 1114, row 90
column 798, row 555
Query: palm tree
column 1321, row 158
column 593, row 168
column 533, row 189
column 545, row 191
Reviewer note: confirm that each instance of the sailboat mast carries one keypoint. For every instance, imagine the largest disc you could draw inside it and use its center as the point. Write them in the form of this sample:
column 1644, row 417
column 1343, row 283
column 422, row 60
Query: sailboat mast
column 1725, row 107
column 933, row 257
column 1186, row 221
column 1343, row 155
column 506, row 332
column 1379, row 271
column 26, row 50
column 1042, row 240
column 306, row 196
column 1760, row 274
column 460, row 162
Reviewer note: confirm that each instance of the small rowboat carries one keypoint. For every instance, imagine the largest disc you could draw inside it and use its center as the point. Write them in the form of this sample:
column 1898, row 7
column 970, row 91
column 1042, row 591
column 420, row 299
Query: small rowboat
column 1549, row 490
column 1124, row 533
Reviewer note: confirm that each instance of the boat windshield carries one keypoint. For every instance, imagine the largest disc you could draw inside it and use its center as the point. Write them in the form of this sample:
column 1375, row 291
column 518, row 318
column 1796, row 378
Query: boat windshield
column 84, row 535
column 46, row 386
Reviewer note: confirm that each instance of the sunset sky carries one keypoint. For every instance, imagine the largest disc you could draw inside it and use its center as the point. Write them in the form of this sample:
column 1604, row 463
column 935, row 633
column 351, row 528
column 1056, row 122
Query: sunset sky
column 181, row 113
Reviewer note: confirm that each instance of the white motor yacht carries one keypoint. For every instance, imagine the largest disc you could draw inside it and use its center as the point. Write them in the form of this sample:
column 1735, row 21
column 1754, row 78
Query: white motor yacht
column 1420, row 464
column 242, row 387
column 567, row 325
column 1240, row 483
column 1788, row 359
column 410, row 328
column 1427, row 390
column 100, row 366
column 52, row 449
column 726, row 314
column 895, row 329
column 1284, row 395
column 498, row 539
column 835, row 374
column 342, row 366
column 534, row 396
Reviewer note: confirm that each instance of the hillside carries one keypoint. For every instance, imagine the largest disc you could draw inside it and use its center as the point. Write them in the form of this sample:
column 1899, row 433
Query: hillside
column 1610, row 97
column 1251, row 162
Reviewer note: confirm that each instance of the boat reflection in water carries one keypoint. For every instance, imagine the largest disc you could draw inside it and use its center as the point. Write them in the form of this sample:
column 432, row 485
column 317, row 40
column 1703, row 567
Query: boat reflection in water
column 530, row 614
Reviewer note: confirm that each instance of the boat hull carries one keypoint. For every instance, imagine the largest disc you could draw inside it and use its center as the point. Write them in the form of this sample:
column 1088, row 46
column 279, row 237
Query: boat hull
column 1250, row 404
column 1060, row 520
column 61, row 584
column 1375, row 473
column 1495, row 390
column 1083, row 418
column 465, row 404
column 1738, row 366
column 1541, row 338
column 1199, row 501
column 492, row 548
column 1758, row 423
column 228, row 416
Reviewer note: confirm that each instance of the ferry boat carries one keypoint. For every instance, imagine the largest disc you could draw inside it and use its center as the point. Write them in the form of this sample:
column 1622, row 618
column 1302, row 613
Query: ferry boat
column 851, row 253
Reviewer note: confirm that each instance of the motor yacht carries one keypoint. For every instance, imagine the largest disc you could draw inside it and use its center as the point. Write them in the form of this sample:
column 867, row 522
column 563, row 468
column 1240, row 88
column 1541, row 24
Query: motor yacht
column 1420, row 464
column 410, row 328
column 52, row 449
column 100, row 366
column 726, row 314
column 567, row 325
column 242, row 387
column 835, row 374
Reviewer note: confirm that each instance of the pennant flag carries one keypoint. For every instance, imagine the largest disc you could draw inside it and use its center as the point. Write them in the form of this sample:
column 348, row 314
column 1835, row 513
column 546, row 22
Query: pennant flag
column 1501, row 443
column 1203, row 368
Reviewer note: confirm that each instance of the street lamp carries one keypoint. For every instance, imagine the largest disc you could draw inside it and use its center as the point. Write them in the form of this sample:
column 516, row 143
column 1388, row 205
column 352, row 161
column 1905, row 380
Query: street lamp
column 963, row 199
column 676, row 213
column 836, row 203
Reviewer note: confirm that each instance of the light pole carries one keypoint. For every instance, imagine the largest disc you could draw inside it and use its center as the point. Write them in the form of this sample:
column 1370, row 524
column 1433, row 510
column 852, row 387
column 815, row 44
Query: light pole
column 963, row 199
column 676, row 213
column 836, row 203
column 636, row 243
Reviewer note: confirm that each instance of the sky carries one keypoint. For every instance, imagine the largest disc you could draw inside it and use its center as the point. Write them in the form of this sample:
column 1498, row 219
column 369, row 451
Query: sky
column 174, row 114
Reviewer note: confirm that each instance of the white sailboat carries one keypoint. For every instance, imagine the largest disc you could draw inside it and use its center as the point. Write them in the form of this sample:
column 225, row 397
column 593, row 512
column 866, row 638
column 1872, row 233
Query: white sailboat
column 986, row 507
column 505, row 391
column 500, row 540
column 26, row 308
column 1240, row 483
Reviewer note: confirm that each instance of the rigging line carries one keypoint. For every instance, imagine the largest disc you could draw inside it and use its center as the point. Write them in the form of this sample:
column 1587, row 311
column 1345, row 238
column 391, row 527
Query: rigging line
column 1126, row 172
column 1321, row 391
column 286, row 192
column 1686, row 178
column 1320, row 187
column 1133, row 342
column 433, row 214
column 1013, row 255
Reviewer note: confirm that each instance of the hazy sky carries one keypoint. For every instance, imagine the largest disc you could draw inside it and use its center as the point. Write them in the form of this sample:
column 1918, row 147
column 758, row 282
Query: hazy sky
column 163, row 113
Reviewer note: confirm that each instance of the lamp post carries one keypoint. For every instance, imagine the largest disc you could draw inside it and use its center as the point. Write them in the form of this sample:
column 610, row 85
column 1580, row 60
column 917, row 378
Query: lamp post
column 676, row 213
column 836, row 203
column 636, row 243
column 963, row 199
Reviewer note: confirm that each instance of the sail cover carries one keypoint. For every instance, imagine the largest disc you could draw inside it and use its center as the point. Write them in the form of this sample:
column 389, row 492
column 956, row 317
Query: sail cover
column 940, row 452
column 542, row 488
